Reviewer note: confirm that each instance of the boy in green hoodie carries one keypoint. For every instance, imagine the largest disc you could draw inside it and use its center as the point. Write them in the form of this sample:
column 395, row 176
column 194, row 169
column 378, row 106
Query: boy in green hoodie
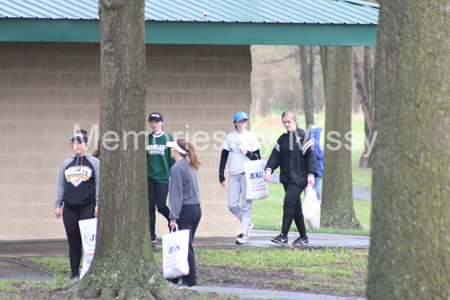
column 159, row 163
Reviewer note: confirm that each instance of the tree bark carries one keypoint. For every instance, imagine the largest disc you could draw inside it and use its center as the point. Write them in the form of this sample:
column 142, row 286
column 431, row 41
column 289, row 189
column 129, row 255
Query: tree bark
column 366, row 157
column 410, row 244
column 323, row 61
column 311, row 69
column 337, row 203
column 368, row 81
column 304, row 70
column 123, row 266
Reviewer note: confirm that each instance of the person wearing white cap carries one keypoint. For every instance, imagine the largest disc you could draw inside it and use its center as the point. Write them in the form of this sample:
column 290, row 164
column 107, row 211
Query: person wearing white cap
column 240, row 146
column 78, row 187
column 184, row 199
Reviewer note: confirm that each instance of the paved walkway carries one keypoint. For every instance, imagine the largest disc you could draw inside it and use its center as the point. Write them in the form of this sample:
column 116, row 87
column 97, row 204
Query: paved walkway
column 264, row 294
column 10, row 268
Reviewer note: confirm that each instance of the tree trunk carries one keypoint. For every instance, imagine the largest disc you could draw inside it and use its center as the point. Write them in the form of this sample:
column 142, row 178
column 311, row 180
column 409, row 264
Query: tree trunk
column 368, row 74
column 309, row 112
column 123, row 266
column 312, row 64
column 366, row 157
column 410, row 244
column 337, row 204
column 323, row 61
column 366, row 162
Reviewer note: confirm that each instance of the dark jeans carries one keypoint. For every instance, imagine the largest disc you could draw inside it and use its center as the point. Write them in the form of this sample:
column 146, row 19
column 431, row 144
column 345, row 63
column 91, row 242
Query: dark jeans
column 157, row 195
column 292, row 209
column 71, row 216
column 189, row 218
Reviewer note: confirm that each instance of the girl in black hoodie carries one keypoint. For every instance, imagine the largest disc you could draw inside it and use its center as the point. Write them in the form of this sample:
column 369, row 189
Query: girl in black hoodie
column 294, row 154
column 78, row 186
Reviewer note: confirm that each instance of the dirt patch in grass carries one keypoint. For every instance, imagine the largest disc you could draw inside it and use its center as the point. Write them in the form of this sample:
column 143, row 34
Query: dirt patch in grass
column 282, row 280
column 339, row 272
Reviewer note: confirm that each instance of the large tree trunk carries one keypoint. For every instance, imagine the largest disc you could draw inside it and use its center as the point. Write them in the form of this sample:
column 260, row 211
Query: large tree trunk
column 361, row 85
column 410, row 244
column 307, row 102
column 123, row 266
column 337, row 204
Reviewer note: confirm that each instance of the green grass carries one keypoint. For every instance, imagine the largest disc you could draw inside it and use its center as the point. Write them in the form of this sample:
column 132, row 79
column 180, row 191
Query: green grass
column 12, row 289
column 330, row 271
column 361, row 177
column 29, row 289
column 267, row 213
column 320, row 261
column 363, row 211
column 57, row 265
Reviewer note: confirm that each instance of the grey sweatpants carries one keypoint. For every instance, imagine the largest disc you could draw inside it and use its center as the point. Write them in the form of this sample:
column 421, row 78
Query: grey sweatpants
column 236, row 192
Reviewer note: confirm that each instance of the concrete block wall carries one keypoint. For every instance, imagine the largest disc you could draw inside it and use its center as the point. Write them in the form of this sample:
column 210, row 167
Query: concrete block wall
column 46, row 88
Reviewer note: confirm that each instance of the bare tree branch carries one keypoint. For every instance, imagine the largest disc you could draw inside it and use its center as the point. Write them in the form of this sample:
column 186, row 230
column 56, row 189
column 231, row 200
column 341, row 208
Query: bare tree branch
column 293, row 55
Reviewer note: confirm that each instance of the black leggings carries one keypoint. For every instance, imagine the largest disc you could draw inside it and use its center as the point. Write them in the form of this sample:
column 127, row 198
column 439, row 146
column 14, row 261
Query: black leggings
column 71, row 216
column 189, row 219
column 157, row 194
column 292, row 209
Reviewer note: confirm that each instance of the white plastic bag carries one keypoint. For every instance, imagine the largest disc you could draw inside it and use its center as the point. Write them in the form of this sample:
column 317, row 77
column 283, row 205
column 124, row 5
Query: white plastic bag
column 88, row 230
column 175, row 253
column 311, row 208
column 257, row 188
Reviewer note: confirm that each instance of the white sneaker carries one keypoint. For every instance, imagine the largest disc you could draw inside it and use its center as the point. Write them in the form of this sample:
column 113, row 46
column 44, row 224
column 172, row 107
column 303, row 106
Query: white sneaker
column 185, row 287
column 249, row 229
column 241, row 239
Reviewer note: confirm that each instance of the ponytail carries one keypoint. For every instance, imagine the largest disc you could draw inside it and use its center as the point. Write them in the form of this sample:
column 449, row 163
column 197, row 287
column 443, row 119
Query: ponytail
column 193, row 158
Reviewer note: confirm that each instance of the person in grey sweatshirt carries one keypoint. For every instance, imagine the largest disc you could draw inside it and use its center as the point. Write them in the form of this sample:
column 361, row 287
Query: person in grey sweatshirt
column 78, row 186
column 184, row 199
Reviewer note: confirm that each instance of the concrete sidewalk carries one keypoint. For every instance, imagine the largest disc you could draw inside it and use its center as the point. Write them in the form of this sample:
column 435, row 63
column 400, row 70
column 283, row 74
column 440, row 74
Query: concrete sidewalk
column 11, row 250
column 264, row 294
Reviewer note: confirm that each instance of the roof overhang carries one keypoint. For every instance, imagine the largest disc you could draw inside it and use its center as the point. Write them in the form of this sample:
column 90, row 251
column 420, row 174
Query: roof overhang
column 211, row 33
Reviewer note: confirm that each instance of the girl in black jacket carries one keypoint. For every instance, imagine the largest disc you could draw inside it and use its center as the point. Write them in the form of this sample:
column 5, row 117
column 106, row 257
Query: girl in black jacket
column 294, row 154
column 78, row 186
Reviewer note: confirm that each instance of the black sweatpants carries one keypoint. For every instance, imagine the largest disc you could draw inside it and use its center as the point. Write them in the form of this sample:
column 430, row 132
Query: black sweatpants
column 157, row 195
column 292, row 209
column 71, row 216
column 189, row 219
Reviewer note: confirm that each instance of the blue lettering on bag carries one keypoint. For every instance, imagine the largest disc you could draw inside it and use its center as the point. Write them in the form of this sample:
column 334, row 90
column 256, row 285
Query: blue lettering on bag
column 173, row 249
column 90, row 238
column 257, row 175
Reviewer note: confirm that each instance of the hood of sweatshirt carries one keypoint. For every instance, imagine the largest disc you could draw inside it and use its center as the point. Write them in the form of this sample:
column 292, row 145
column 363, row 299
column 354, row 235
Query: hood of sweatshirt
column 315, row 134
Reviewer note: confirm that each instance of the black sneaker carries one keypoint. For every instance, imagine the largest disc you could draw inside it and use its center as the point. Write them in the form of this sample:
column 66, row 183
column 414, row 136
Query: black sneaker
column 153, row 238
column 241, row 239
column 300, row 241
column 280, row 239
column 74, row 276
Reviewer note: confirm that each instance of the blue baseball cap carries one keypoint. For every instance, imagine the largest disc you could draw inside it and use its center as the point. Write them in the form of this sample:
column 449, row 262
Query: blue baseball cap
column 240, row 115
